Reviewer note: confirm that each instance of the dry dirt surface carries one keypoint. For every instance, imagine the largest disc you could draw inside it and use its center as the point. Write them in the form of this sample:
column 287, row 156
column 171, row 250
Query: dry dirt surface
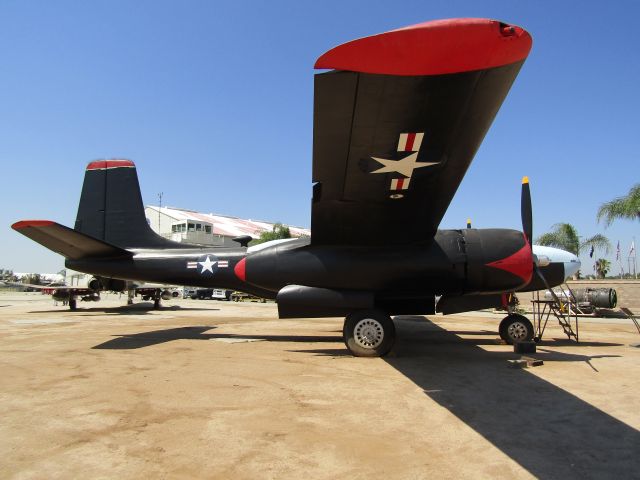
column 208, row 389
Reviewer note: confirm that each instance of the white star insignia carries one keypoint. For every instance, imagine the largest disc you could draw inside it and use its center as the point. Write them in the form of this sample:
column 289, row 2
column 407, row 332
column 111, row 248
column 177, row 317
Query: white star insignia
column 207, row 265
column 406, row 166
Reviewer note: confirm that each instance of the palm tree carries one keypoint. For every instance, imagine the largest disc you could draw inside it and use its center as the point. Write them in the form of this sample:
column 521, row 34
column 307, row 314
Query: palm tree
column 602, row 267
column 565, row 236
column 621, row 207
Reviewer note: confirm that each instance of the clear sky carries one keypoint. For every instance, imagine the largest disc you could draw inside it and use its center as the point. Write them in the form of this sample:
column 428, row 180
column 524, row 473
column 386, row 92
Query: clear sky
column 213, row 101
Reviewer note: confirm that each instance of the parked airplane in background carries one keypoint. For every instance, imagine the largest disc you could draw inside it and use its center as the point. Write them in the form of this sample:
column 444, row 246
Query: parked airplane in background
column 90, row 290
column 397, row 121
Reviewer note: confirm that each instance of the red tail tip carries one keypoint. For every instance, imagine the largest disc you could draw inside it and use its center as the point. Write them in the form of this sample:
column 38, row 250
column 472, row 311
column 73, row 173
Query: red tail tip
column 105, row 164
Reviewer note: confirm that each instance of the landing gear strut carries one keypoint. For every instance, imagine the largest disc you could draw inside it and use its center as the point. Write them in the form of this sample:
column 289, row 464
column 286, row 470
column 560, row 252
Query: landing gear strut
column 156, row 299
column 369, row 333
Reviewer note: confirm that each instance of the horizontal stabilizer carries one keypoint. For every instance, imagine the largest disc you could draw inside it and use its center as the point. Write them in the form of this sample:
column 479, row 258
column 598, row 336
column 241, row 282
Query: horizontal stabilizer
column 66, row 241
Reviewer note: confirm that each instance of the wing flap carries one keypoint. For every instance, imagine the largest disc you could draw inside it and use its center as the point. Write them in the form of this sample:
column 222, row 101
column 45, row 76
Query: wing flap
column 66, row 241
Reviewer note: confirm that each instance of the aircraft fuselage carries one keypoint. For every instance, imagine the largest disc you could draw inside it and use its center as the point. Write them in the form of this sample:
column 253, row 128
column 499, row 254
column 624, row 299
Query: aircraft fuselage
column 456, row 262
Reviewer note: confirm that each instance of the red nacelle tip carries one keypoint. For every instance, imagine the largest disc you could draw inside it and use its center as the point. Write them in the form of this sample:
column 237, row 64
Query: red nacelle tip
column 520, row 263
column 240, row 269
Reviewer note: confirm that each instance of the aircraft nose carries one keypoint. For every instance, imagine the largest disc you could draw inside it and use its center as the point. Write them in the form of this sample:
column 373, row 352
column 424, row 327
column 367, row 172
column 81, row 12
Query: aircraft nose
column 572, row 266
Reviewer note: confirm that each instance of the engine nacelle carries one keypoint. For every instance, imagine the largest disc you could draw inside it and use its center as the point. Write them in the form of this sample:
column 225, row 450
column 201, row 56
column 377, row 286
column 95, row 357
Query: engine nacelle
column 456, row 262
column 498, row 260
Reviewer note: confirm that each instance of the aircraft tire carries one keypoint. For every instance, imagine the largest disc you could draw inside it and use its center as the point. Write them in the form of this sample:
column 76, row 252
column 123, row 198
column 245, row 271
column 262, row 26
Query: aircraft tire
column 516, row 328
column 73, row 304
column 369, row 333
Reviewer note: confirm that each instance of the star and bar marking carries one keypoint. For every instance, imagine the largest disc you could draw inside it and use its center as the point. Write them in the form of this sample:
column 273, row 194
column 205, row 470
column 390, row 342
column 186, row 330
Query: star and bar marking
column 407, row 142
column 208, row 264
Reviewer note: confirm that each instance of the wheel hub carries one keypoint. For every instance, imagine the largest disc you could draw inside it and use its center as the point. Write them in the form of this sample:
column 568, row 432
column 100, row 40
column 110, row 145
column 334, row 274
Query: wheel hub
column 517, row 331
column 368, row 333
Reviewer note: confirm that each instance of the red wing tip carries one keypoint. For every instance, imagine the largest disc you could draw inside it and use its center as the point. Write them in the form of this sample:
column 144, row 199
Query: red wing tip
column 31, row 223
column 432, row 48
column 106, row 164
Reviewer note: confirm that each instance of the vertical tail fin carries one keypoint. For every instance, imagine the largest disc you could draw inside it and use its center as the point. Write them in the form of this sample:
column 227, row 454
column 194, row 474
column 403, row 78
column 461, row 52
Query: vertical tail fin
column 111, row 207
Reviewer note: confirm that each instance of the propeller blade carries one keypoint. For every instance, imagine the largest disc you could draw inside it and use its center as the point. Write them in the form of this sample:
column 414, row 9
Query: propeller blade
column 526, row 211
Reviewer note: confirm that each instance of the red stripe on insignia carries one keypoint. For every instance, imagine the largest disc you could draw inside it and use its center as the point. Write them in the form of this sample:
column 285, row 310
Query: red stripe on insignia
column 400, row 183
column 31, row 223
column 411, row 137
column 104, row 164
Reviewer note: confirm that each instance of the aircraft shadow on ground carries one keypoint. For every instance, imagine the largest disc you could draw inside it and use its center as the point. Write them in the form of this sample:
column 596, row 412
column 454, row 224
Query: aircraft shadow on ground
column 155, row 337
column 137, row 309
column 545, row 429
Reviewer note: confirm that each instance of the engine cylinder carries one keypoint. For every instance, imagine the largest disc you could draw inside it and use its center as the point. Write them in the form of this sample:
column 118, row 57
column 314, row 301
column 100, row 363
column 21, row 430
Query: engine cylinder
column 595, row 297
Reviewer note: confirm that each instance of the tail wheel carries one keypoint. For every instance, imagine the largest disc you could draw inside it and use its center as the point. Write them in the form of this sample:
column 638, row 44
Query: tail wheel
column 369, row 333
column 516, row 328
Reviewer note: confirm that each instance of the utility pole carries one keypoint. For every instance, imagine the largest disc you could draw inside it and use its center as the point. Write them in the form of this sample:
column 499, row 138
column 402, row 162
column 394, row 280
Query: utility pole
column 633, row 243
column 159, row 208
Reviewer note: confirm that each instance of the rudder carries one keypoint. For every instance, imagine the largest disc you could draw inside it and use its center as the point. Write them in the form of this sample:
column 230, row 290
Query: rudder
column 111, row 207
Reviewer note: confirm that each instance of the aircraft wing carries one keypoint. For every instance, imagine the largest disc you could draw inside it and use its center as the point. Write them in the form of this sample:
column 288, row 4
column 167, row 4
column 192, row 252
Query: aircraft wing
column 397, row 122
column 66, row 241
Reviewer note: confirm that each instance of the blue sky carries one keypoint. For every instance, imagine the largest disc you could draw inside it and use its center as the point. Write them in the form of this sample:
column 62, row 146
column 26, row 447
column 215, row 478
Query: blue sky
column 213, row 101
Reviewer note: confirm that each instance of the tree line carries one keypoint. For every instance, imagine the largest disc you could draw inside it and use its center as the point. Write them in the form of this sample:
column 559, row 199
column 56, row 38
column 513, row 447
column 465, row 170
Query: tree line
column 565, row 235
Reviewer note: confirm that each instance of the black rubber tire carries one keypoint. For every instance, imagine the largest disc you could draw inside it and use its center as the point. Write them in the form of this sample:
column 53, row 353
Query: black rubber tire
column 381, row 322
column 516, row 328
column 73, row 304
column 156, row 304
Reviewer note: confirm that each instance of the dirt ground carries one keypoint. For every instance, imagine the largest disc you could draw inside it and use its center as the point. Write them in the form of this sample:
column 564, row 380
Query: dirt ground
column 208, row 389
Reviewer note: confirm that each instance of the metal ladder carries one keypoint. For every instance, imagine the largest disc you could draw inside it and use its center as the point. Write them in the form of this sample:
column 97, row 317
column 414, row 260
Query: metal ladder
column 630, row 315
column 565, row 310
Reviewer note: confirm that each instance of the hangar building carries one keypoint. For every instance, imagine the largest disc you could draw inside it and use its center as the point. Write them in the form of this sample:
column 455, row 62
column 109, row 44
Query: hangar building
column 181, row 225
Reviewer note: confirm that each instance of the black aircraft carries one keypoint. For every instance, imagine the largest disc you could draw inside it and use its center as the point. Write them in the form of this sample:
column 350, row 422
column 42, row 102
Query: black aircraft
column 397, row 120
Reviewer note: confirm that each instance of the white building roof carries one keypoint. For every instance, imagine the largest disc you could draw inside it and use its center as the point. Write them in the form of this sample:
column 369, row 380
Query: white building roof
column 226, row 225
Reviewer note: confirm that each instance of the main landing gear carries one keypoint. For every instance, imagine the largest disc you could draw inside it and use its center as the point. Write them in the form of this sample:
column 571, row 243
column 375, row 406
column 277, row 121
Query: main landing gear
column 369, row 333
column 156, row 299
column 516, row 328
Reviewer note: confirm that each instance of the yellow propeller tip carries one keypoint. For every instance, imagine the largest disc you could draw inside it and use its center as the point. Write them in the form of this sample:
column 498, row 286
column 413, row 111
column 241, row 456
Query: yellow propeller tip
column 525, row 180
